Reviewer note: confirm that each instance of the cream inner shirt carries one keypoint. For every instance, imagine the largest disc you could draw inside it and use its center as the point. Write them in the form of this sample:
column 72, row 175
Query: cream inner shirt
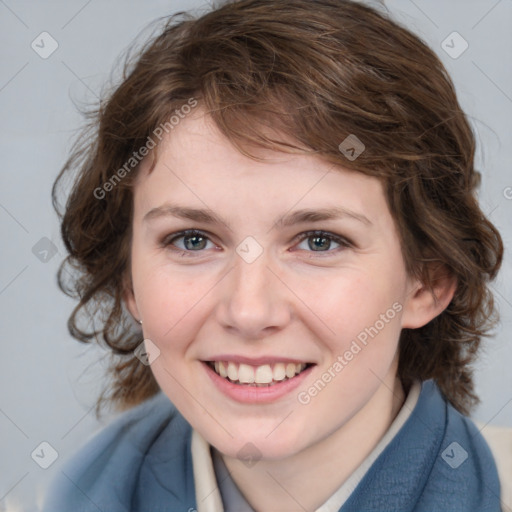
column 213, row 483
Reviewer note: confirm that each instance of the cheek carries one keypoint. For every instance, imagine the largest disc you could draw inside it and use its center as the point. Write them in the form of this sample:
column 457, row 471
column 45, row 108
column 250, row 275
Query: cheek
column 172, row 303
column 361, row 308
column 365, row 315
column 354, row 299
column 174, row 309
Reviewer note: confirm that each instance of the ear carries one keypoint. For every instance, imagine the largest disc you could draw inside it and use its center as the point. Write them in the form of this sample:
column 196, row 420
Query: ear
column 129, row 298
column 424, row 302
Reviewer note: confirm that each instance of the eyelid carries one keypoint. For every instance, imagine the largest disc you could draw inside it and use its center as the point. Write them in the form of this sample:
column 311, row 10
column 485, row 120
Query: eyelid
column 341, row 240
column 304, row 235
column 169, row 239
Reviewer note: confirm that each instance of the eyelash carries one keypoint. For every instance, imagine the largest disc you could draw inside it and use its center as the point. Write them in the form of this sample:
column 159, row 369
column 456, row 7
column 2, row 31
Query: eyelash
column 343, row 242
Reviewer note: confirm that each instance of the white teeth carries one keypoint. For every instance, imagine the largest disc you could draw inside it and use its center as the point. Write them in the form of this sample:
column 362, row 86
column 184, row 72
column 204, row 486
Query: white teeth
column 222, row 370
column 232, row 371
column 246, row 374
column 290, row 370
column 265, row 374
column 279, row 372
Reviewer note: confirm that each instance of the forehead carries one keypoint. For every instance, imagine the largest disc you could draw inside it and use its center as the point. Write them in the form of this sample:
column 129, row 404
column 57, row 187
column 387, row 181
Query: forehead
column 198, row 166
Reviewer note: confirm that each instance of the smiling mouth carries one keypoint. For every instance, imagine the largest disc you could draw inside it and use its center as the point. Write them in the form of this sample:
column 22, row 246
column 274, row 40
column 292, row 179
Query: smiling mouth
column 258, row 376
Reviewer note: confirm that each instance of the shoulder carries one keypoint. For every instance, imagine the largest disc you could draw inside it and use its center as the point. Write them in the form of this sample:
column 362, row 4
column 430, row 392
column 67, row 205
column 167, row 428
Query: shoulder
column 436, row 462
column 464, row 474
column 103, row 472
column 461, row 439
column 128, row 436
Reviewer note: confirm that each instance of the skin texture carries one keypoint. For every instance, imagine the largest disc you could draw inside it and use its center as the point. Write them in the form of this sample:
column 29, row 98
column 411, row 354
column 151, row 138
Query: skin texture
column 290, row 302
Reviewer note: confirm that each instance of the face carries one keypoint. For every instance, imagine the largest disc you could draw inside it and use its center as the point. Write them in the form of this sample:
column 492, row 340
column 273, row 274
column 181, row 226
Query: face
column 275, row 291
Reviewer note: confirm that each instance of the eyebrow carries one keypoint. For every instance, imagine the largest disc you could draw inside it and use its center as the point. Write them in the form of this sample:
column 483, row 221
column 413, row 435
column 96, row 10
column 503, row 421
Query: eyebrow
column 299, row 216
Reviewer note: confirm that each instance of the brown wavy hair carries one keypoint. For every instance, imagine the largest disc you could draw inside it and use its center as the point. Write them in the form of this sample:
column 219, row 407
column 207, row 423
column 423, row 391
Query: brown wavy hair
column 314, row 72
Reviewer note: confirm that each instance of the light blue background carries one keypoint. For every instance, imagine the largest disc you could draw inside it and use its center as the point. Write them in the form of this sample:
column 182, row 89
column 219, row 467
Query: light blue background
column 48, row 381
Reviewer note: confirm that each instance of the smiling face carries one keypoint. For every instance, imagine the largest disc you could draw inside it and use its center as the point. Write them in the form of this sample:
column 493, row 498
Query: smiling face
column 293, row 261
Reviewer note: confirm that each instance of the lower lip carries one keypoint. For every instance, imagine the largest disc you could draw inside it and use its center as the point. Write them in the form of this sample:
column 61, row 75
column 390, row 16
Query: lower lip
column 253, row 394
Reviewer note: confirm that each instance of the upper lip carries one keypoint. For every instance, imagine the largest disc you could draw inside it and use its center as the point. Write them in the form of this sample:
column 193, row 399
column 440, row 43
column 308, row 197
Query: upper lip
column 255, row 361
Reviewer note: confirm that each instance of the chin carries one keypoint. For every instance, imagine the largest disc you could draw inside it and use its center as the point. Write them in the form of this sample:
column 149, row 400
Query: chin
column 276, row 446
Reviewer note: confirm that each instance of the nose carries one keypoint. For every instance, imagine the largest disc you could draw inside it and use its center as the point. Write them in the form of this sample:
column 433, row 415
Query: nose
column 255, row 302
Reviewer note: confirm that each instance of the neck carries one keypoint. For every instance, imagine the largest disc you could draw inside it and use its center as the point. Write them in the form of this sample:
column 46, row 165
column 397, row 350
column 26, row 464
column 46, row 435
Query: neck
column 305, row 480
